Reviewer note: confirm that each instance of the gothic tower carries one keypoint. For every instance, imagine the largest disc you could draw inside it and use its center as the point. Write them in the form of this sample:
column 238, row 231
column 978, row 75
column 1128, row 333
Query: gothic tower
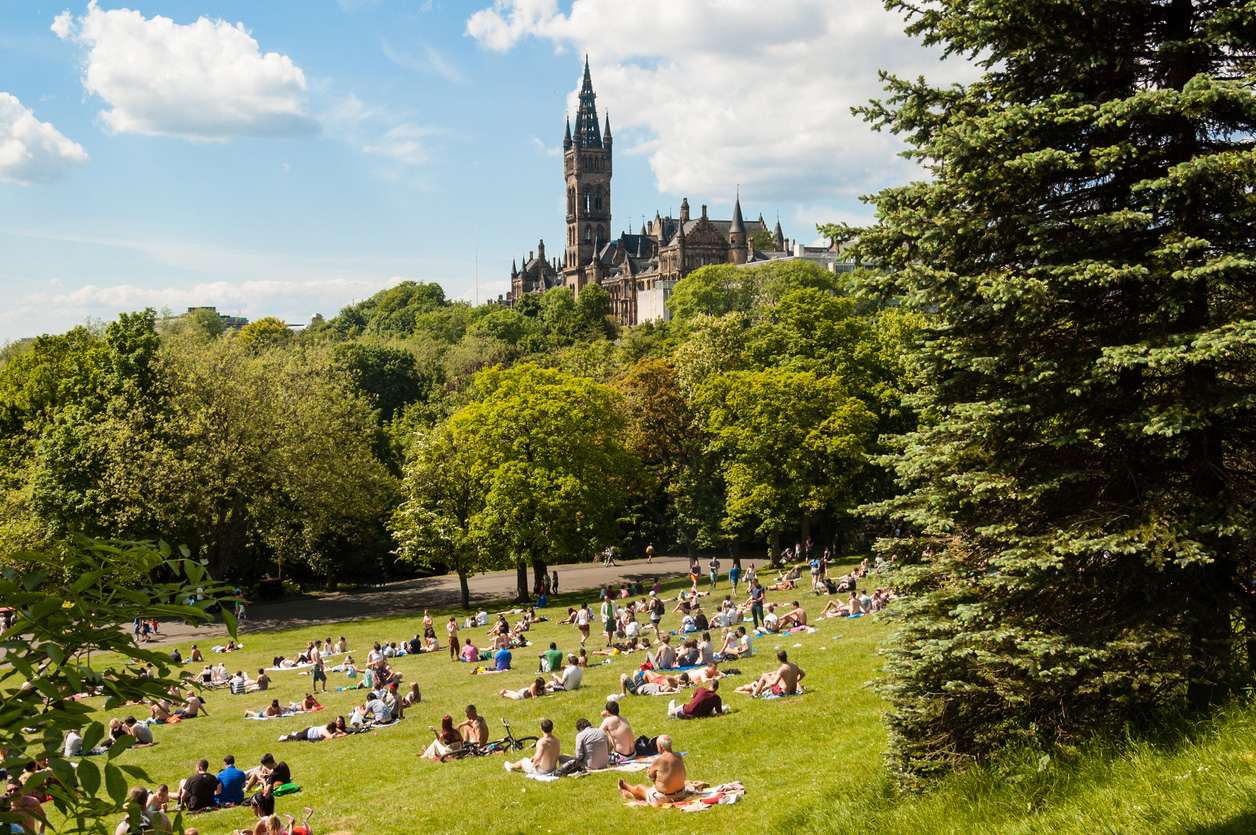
column 587, row 168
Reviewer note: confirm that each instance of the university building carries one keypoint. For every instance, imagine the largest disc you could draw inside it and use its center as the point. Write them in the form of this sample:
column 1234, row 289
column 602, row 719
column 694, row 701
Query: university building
column 638, row 271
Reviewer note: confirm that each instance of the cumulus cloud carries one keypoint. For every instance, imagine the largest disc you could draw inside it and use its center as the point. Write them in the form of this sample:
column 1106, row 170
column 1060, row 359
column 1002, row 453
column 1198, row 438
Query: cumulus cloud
column 719, row 92
column 205, row 81
column 32, row 151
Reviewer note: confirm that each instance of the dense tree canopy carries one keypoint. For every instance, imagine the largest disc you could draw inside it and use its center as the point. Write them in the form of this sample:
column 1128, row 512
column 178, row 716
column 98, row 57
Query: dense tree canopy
column 1081, row 487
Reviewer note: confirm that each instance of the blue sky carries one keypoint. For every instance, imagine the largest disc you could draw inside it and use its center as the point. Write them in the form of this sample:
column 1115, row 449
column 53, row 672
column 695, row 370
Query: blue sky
column 287, row 158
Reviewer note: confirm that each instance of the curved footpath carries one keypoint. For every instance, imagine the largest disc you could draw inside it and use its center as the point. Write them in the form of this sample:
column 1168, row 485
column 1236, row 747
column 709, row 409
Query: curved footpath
column 411, row 596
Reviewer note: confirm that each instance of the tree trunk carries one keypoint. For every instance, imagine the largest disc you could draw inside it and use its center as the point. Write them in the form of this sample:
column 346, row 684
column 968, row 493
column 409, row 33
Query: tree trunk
column 464, row 589
column 774, row 548
column 521, row 578
column 540, row 573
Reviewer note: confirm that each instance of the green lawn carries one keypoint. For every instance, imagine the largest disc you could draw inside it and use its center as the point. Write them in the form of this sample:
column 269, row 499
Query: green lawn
column 810, row 764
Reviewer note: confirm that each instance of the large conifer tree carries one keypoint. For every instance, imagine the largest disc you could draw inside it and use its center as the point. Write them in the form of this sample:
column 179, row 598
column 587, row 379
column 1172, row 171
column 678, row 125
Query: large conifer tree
column 1079, row 496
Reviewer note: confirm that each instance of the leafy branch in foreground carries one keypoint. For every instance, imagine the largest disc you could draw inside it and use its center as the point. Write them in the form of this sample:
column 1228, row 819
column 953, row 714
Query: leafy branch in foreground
column 73, row 604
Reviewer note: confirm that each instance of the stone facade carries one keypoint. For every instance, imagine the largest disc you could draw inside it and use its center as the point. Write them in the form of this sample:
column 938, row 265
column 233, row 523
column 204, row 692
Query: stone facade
column 637, row 271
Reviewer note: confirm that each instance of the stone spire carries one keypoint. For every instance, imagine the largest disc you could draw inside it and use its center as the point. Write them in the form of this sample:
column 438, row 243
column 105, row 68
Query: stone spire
column 587, row 132
column 778, row 238
column 567, row 138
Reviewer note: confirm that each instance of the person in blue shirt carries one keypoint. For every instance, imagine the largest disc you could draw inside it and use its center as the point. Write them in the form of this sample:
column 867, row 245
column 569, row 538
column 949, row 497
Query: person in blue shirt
column 502, row 659
column 230, row 783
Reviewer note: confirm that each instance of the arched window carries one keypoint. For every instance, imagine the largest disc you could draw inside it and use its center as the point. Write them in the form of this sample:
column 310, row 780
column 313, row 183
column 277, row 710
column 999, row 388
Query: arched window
column 597, row 201
column 588, row 233
column 588, row 202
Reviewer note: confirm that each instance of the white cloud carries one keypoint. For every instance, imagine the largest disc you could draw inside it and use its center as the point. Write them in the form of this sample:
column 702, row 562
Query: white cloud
column 432, row 61
column 403, row 144
column 205, row 81
column 541, row 147
column 720, row 92
column 32, row 151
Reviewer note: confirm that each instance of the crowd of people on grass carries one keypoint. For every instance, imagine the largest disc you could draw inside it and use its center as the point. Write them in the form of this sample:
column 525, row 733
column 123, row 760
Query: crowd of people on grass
column 628, row 620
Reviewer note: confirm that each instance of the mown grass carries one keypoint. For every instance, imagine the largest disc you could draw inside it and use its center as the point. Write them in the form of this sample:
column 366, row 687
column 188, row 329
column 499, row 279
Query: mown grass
column 812, row 764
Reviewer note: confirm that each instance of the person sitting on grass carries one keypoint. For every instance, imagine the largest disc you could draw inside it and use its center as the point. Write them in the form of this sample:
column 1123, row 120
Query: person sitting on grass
column 230, row 783
column 545, row 761
column 269, row 712
column 783, row 681
column 771, row 622
column 375, row 711
column 569, row 679
column 193, row 706
column 198, row 792
column 705, row 702
column 194, row 656
column 470, row 652
column 413, row 696
column 649, row 683
column 668, row 773
column 473, row 728
column 618, row 731
column 447, row 739
column 150, row 820
column 535, row 690
column 259, row 684
column 551, row 659
column 794, row 617
column 688, row 655
column 664, row 658
column 314, row 733
column 142, row 733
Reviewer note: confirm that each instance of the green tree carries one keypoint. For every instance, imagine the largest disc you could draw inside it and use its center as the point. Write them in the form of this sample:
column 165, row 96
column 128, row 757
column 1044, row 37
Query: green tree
column 1080, row 491
column 206, row 322
column 389, row 376
column 792, row 443
column 265, row 334
column 73, row 603
column 433, row 524
column 762, row 241
column 546, row 452
column 719, row 289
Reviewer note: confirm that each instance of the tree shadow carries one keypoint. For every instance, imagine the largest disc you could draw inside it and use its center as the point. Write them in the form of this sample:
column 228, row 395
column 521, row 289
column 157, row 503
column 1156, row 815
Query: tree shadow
column 1243, row 823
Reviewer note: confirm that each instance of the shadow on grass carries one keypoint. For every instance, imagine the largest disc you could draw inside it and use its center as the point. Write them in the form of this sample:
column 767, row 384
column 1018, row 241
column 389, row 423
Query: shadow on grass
column 1243, row 823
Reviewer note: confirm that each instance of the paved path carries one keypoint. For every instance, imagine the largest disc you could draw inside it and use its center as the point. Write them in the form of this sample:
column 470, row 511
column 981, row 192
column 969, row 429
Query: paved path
column 412, row 596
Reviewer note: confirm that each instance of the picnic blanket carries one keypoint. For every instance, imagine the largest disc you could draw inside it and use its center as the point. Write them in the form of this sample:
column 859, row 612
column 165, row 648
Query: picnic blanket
column 293, row 667
column 767, row 695
column 702, row 796
column 626, row 766
column 286, row 714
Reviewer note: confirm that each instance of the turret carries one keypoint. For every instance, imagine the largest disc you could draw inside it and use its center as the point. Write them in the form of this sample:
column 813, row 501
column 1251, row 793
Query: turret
column 567, row 138
column 684, row 210
column 737, row 234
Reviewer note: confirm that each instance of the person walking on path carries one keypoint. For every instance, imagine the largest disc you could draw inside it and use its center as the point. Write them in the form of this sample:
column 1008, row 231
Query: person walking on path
column 452, row 629
column 714, row 565
column 649, row 554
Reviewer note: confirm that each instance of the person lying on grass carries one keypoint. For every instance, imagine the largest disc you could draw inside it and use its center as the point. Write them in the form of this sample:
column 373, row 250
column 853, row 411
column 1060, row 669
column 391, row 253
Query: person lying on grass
column 630, row 645
column 305, row 705
column 783, row 681
column 535, row 690
column 668, row 773
column 650, row 683
column 314, row 733
column 545, row 761
column 272, row 710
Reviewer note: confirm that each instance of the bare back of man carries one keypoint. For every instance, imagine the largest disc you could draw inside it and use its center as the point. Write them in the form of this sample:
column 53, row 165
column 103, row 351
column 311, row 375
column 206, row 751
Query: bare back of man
column 620, row 734
column 668, row 773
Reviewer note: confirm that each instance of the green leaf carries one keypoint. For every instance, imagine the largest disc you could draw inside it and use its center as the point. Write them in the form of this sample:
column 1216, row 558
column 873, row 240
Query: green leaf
column 88, row 776
column 115, row 782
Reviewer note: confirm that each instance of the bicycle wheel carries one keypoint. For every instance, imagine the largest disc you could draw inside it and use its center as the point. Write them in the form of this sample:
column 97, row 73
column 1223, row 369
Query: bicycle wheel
column 459, row 754
column 525, row 743
column 496, row 746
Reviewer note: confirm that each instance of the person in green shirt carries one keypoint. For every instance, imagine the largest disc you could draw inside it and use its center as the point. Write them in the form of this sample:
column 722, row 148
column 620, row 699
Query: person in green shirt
column 552, row 658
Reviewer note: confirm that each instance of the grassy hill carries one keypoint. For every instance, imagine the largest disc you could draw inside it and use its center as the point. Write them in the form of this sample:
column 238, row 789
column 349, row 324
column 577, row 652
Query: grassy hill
column 811, row 764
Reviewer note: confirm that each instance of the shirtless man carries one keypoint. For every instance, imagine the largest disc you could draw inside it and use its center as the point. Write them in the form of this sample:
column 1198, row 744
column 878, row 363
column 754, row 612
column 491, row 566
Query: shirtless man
column 783, row 681
column 668, row 773
column 665, row 658
column 473, row 728
column 794, row 617
column 193, row 706
column 545, row 760
column 618, row 731
column 160, row 712
column 707, row 673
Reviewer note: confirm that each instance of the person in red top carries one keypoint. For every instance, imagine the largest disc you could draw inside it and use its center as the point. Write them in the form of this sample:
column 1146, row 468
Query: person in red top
column 705, row 702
